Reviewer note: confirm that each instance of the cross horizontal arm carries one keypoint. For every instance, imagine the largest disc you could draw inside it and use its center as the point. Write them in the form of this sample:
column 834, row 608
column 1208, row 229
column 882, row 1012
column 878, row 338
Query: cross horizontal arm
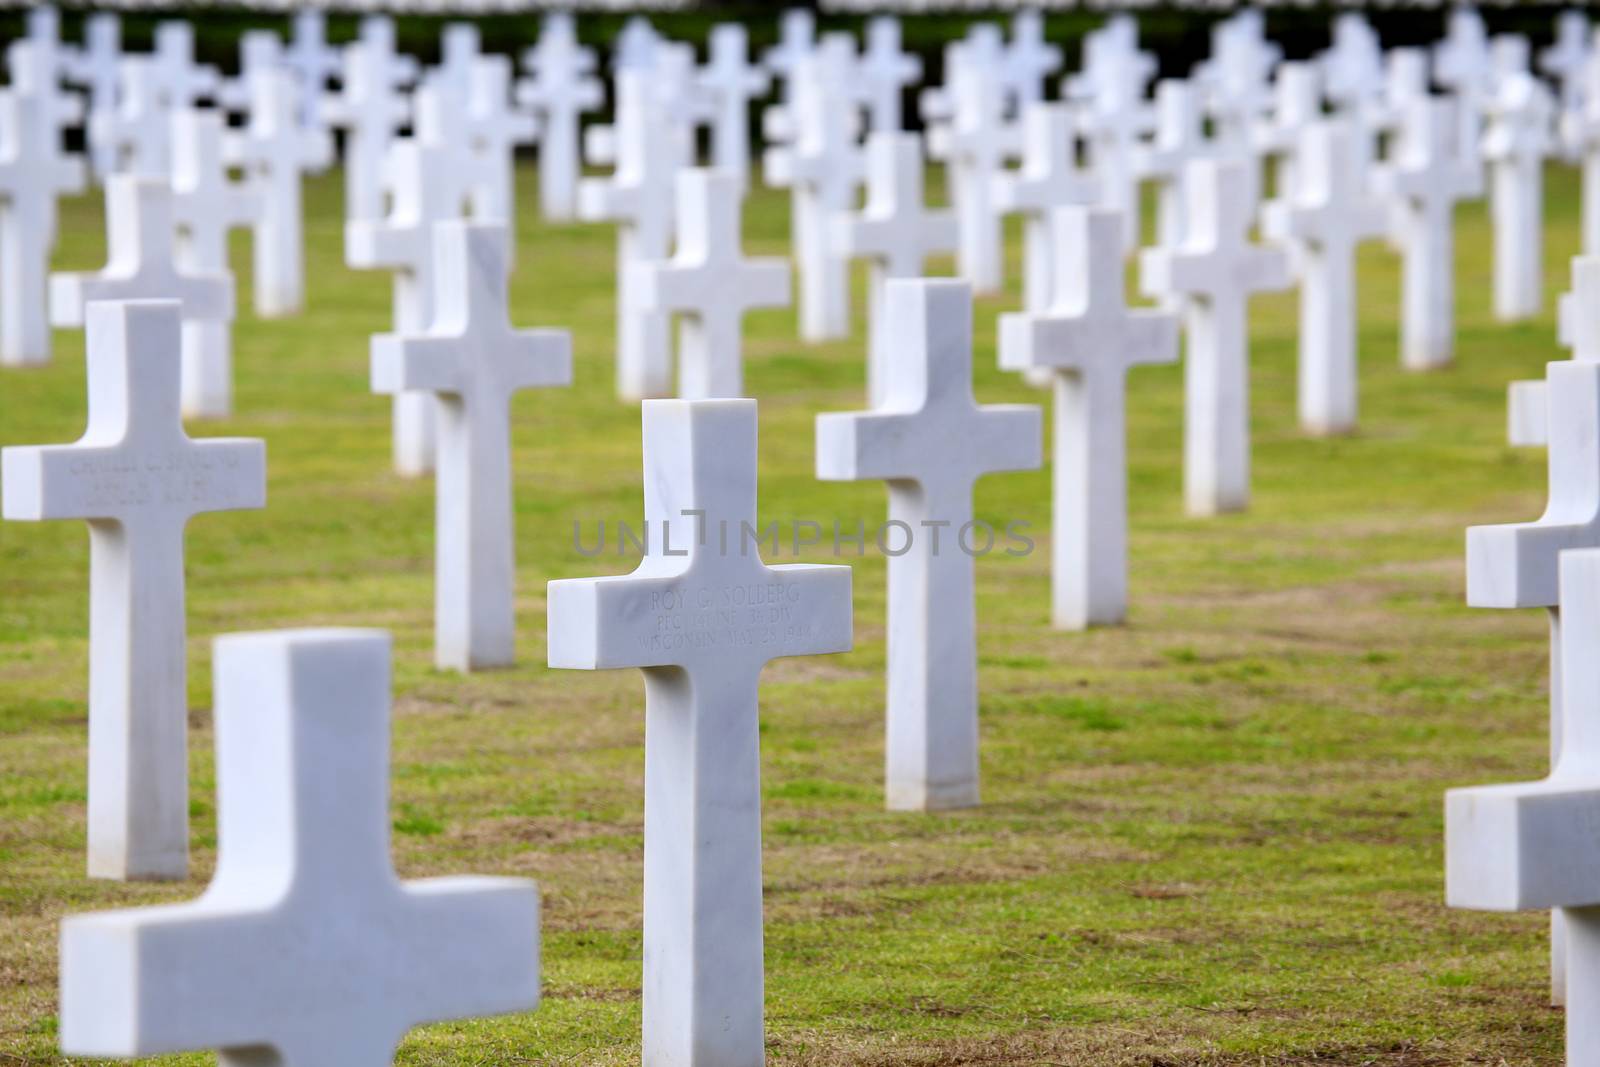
column 416, row 364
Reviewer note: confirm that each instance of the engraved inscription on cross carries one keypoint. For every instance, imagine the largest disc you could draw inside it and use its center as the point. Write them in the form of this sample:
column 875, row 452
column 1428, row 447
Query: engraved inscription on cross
column 306, row 948
column 931, row 441
column 710, row 285
column 1087, row 339
column 474, row 361
column 702, row 620
column 138, row 480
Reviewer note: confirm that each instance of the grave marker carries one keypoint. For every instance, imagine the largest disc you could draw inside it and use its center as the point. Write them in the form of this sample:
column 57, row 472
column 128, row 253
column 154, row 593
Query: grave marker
column 822, row 165
column 886, row 72
column 1424, row 180
column 206, row 204
column 1180, row 138
column 1515, row 143
column 137, row 479
column 29, row 185
column 141, row 264
column 930, row 441
column 1516, row 565
column 975, row 143
column 275, row 150
column 1087, row 339
column 370, row 108
column 1325, row 217
column 1530, row 846
column 638, row 196
column 710, row 285
column 95, row 68
column 344, row 957
column 701, row 620
column 562, row 88
column 729, row 82
column 426, row 189
column 895, row 231
column 1049, row 178
column 473, row 361
column 1212, row 276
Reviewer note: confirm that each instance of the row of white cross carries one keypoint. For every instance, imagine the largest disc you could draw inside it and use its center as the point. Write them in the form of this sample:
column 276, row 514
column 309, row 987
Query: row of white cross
column 702, row 622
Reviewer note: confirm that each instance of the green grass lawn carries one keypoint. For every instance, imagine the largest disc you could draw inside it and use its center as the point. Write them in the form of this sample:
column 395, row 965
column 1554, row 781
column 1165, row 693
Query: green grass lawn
column 1211, row 837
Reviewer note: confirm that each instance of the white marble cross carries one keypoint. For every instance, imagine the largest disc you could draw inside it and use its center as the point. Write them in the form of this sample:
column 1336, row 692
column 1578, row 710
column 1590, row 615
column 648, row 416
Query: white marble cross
column 52, row 113
column 639, row 196
column 260, row 52
column 1325, row 216
column 1462, row 66
column 885, row 72
column 1424, row 179
column 797, row 31
column 976, row 143
column 1515, row 144
column 206, row 204
column 1518, row 566
column 1114, row 124
column 28, row 188
column 1579, row 130
column 1296, row 102
column 1567, row 56
column 1111, row 56
column 710, row 285
column 1029, row 59
column 702, row 615
column 141, row 264
column 495, row 128
column 633, row 48
column 473, row 360
column 370, row 108
column 1352, row 67
column 1238, row 78
column 137, row 479
column 1180, row 138
column 275, row 151
column 562, row 88
column 896, row 232
column 343, row 957
column 459, row 50
column 1531, row 846
column 729, row 82
column 95, row 68
column 134, row 136
column 1048, row 178
column 1087, row 339
column 1528, row 402
column 314, row 62
column 1212, row 276
column 823, row 167
column 427, row 189
column 180, row 81
column 931, row 441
